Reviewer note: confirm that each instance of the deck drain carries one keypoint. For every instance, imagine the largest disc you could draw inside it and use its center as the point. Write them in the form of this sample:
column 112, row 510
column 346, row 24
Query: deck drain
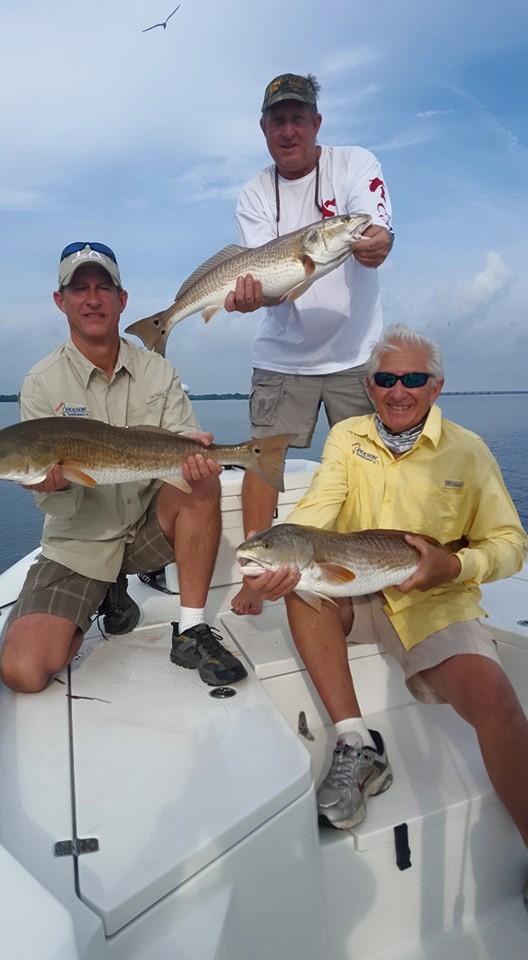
column 222, row 693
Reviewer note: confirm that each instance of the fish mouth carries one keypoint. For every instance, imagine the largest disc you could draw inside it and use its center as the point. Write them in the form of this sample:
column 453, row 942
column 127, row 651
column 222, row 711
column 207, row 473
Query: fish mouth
column 250, row 565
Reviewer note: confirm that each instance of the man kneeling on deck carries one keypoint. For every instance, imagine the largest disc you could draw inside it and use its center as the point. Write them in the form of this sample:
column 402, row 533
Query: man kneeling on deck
column 93, row 537
column 405, row 467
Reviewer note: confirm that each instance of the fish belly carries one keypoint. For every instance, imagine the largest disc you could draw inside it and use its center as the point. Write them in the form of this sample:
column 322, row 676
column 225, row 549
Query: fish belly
column 314, row 580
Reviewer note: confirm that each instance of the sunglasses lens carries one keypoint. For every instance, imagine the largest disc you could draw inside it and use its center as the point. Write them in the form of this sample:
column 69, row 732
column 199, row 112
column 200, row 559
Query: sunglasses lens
column 385, row 379
column 98, row 247
column 411, row 380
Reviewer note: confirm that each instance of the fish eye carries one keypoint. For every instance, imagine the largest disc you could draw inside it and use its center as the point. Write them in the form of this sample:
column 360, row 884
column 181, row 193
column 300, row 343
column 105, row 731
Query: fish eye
column 257, row 449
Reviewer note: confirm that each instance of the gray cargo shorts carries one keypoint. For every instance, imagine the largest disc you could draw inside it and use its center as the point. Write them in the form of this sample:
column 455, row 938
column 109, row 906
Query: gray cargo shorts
column 289, row 403
column 372, row 625
column 52, row 588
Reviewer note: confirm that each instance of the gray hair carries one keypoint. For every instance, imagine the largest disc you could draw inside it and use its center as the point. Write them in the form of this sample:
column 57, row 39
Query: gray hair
column 399, row 336
column 316, row 87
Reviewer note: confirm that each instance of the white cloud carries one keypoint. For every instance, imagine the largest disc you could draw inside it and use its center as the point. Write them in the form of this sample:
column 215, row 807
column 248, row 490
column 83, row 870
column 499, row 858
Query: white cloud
column 486, row 287
column 432, row 114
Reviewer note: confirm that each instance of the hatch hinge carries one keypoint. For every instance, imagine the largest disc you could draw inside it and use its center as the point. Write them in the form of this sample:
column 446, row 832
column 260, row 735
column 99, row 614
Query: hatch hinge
column 303, row 728
column 74, row 848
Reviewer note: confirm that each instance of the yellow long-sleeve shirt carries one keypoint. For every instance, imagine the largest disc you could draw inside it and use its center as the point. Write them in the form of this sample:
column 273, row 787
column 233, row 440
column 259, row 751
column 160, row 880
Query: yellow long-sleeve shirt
column 448, row 486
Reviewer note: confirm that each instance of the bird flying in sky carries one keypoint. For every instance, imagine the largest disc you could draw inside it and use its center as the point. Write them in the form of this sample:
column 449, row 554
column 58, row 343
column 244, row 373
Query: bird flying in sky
column 164, row 24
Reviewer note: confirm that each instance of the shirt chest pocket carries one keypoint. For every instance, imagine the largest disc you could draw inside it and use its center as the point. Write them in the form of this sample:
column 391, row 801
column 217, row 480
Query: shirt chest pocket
column 146, row 409
column 442, row 512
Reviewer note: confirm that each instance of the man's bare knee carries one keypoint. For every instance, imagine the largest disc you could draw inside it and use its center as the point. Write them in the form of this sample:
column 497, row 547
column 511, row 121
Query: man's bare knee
column 18, row 678
column 37, row 647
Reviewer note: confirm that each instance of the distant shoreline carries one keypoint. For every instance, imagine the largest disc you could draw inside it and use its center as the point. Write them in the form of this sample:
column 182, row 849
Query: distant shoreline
column 12, row 398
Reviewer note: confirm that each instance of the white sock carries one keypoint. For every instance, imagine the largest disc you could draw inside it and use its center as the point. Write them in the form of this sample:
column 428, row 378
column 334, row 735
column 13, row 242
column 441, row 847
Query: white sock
column 190, row 617
column 353, row 728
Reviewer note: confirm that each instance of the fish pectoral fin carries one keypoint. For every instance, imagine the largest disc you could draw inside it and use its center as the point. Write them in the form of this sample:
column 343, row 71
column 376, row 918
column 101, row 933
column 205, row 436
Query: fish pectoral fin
column 209, row 312
column 333, row 573
column 309, row 265
column 178, row 482
column 74, row 474
column 304, row 285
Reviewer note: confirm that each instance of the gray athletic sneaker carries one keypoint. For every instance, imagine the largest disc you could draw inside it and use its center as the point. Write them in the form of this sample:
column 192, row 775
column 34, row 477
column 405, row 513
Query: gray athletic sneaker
column 357, row 772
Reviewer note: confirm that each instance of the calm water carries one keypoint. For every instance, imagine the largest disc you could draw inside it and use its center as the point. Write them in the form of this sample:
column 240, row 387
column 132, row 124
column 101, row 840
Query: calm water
column 502, row 420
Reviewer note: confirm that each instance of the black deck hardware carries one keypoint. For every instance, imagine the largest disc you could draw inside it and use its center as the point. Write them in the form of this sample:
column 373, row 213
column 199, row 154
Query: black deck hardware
column 401, row 843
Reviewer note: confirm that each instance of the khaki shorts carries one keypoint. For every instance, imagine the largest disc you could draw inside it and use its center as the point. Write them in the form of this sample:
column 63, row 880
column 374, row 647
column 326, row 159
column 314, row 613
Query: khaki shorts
column 371, row 625
column 289, row 403
column 51, row 588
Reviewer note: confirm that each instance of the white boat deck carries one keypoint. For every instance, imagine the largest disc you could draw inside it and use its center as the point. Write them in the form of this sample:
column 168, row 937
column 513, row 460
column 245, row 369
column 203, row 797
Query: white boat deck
column 458, row 895
column 200, row 812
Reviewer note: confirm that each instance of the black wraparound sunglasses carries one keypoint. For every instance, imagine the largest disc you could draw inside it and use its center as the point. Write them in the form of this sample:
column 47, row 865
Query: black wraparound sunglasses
column 409, row 380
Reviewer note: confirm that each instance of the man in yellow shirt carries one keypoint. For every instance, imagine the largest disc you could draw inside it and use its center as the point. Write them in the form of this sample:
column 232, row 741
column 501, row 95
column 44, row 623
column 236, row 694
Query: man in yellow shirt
column 405, row 467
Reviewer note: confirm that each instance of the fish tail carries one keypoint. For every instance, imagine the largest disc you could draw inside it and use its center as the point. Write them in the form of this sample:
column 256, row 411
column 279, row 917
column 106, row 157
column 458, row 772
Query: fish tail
column 267, row 458
column 152, row 331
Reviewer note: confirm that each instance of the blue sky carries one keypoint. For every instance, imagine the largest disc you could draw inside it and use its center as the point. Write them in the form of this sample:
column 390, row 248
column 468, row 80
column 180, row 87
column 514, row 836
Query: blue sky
column 143, row 140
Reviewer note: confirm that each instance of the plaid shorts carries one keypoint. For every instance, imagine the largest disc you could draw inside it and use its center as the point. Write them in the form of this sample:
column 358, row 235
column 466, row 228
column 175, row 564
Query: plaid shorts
column 52, row 588
column 372, row 625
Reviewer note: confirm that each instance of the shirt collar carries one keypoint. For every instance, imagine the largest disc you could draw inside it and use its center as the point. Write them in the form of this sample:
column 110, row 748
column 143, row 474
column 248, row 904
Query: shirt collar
column 431, row 431
column 86, row 369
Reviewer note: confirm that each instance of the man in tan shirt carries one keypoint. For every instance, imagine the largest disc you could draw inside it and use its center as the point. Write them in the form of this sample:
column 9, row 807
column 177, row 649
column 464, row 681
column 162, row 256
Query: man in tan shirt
column 91, row 536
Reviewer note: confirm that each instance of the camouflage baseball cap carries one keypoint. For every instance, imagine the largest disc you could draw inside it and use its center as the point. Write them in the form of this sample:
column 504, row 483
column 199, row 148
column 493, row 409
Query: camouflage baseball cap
column 289, row 86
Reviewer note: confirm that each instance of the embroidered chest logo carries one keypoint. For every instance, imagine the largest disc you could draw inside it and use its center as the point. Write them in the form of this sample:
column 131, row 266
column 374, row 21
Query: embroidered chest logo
column 65, row 409
column 358, row 451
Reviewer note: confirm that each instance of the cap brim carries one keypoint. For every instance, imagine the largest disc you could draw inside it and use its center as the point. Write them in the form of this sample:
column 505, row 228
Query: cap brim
column 286, row 96
column 70, row 264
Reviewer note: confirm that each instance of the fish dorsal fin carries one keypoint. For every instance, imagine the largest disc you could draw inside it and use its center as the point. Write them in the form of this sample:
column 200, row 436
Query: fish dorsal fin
column 150, row 428
column 226, row 254
column 74, row 474
column 334, row 573
column 402, row 533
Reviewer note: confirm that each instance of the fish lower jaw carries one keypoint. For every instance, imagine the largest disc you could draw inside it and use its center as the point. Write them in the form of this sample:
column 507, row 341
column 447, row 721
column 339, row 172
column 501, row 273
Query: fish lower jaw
column 249, row 568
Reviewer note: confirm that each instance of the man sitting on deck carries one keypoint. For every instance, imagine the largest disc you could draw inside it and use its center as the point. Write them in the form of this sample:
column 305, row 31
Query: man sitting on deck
column 92, row 537
column 405, row 467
